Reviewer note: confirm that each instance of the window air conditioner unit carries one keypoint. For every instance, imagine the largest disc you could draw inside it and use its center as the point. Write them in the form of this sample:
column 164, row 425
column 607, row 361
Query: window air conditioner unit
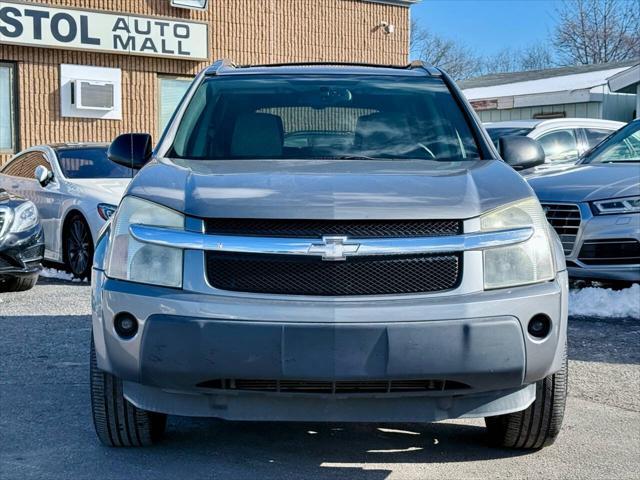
column 93, row 95
column 195, row 4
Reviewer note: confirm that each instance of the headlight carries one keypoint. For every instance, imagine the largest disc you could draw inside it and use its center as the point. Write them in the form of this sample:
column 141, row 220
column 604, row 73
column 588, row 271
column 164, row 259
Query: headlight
column 140, row 262
column 617, row 205
column 105, row 210
column 526, row 262
column 25, row 216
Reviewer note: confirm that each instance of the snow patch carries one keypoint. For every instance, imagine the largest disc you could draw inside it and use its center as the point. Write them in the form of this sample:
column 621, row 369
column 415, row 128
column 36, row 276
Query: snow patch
column 605, row 303
column 58, row 274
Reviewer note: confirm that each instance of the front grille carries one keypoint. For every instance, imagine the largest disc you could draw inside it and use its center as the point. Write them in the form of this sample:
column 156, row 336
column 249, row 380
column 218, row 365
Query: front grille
column 292, row 275
column 565, row 219
column 331, row 387
column 610, row 252
column 296, row 275
column 317, row 228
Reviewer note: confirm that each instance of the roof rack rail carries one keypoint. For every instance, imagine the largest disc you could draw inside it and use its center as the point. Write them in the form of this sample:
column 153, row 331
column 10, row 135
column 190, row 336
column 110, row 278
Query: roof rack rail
column 222, row 64
column 415, row 64
column 311, row 64
column 219, row 65
column 425, row 66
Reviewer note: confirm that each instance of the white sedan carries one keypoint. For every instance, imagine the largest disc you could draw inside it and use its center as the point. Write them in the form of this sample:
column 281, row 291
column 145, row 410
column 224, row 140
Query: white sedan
column 563, row 140
column 76, row 188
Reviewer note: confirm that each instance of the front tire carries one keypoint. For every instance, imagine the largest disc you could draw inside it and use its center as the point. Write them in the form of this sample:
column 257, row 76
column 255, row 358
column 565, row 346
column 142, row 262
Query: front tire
column 117, row 422
column 78, row 247
column 539, row 425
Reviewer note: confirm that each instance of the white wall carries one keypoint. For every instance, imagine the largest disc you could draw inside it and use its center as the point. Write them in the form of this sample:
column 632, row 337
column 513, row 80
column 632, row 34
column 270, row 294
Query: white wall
column 619, row 106
column 580, row 110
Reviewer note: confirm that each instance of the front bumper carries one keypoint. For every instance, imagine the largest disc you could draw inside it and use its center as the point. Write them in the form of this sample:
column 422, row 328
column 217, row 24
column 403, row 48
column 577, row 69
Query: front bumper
column 599, row 228
column 187, row 339
column 21, row 253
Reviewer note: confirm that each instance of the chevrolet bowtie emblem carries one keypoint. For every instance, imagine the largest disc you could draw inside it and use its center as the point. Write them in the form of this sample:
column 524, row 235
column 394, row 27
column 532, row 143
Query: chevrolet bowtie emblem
column 334, row 248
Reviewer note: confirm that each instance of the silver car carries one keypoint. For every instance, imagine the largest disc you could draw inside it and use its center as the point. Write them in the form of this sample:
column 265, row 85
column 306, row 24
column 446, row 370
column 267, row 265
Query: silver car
column 595, row 208
column 563, row 140
column 408, row 274
column 76, row 188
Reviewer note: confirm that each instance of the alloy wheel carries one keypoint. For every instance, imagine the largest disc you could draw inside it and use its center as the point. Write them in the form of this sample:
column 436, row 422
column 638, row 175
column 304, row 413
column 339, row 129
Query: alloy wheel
column 78, row 248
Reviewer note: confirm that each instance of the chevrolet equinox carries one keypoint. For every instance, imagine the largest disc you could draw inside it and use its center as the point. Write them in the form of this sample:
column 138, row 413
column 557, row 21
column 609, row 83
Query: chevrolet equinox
column 323, row 242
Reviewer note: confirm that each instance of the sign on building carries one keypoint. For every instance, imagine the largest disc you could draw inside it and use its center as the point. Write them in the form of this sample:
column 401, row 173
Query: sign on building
column 42, row 26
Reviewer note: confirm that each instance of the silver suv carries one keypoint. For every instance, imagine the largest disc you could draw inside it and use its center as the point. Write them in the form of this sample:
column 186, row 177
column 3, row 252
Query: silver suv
column 328, row 243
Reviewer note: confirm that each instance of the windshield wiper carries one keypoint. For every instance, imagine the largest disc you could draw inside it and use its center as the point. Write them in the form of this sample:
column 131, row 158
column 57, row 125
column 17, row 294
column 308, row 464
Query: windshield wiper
column 355, row 157
column 632, row 160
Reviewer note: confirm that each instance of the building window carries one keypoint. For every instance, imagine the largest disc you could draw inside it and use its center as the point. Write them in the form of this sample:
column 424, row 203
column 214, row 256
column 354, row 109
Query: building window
column 8, row 121
column 172, row 89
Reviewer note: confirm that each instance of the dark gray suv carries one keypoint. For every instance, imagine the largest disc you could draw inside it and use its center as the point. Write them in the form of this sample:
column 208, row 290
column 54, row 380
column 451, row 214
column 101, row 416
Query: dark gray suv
column 328, row 243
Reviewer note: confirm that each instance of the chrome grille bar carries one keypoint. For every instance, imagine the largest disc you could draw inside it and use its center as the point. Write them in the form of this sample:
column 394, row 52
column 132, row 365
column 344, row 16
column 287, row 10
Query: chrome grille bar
column 330, row 248
column 565, row 218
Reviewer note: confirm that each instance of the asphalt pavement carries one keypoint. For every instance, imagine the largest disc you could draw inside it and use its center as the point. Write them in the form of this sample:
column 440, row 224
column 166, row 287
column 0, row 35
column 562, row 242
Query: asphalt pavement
column 46, row 430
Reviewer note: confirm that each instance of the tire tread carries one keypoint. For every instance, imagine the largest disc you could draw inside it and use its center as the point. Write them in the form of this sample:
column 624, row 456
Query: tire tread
column 119, row 423
column 538, row 425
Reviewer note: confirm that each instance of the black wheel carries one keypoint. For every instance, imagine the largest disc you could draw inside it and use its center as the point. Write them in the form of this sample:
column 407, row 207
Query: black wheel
column 78, row 247
column 18, row 284
column 118, row 423
column 539, row 425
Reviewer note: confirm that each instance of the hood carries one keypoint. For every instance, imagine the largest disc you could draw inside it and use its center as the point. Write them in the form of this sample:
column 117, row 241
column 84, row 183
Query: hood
column 584, row 183
column 546, row 168
column 109, row 190
column 329, row 189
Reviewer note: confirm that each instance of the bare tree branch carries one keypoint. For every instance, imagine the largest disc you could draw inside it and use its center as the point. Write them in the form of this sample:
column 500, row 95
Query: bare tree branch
column 598, row 31
column 455, row 58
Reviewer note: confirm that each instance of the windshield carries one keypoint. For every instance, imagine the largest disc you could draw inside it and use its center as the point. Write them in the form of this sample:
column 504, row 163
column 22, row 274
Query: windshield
column 323, row 116
column 496, row 133
column 621, row 147
column 90, row 162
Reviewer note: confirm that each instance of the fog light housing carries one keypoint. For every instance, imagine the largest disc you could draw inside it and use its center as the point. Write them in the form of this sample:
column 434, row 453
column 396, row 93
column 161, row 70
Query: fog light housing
column 539, row 326
column 126, row 325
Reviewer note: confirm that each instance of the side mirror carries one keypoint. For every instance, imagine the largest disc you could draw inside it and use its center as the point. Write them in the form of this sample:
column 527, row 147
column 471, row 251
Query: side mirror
column 521, row 152
column 131, row 150
column 43, row 175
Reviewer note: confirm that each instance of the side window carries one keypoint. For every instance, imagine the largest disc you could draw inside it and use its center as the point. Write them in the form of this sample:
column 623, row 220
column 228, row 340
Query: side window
column 559, row 145
column 25, row 165
column 14, row 167
column 596, row 135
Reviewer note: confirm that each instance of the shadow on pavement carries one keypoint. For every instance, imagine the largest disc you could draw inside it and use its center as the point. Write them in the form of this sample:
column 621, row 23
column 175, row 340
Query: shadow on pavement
column 311, row 450
column 62, row 281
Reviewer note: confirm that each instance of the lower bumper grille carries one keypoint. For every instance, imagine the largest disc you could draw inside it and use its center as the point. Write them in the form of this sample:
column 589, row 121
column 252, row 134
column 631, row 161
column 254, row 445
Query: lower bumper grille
column 329, row 387
column 610, row 252
column 4, row 263
column 290, row 275
column 565, row 219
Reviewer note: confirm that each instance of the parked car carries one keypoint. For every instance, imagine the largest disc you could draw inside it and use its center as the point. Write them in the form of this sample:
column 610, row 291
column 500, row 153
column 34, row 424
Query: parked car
column 21, row 243
column 563, row 139
column 76, row 188
column 595, row 208
column 407, row 275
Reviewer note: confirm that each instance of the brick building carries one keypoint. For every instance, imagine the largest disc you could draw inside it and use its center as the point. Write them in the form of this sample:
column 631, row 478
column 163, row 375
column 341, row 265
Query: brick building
column 88, row 70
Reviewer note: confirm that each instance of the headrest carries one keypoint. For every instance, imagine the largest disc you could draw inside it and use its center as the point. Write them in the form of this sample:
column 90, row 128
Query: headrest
column 257, row 135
